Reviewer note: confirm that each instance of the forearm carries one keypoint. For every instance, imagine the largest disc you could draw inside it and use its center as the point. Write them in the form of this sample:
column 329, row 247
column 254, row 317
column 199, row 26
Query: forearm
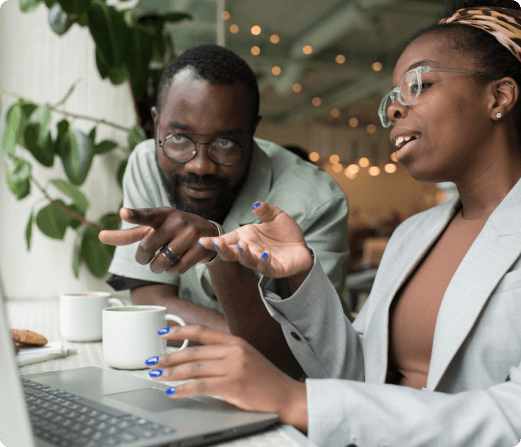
column 236, row 288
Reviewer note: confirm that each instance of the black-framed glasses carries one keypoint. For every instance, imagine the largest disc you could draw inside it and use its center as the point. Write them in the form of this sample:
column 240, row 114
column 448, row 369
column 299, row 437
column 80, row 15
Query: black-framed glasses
column 180, row 148
column 410, row 87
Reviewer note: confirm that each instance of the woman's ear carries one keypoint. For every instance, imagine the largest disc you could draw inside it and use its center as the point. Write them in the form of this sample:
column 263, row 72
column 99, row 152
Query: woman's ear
column 506, row 94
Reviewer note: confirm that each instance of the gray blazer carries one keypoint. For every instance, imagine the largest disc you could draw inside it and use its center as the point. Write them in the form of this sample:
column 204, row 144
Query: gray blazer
column 473, row 392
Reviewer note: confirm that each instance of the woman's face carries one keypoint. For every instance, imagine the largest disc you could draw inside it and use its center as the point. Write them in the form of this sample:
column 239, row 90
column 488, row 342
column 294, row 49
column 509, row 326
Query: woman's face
column 450, row 119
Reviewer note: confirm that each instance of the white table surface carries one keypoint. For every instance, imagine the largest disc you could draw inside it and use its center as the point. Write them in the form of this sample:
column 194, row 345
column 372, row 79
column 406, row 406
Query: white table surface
column 42, row 316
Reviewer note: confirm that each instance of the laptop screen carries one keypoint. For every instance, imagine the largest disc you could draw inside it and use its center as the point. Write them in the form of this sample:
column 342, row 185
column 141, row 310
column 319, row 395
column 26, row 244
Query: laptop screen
column 15, row 427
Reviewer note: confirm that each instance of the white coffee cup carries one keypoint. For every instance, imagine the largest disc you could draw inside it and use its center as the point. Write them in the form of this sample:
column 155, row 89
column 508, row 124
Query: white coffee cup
column 80, row 314
column 130, row 335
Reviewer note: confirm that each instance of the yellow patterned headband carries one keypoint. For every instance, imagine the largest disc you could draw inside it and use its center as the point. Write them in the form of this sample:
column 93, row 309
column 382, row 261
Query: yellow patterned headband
column 503, row 23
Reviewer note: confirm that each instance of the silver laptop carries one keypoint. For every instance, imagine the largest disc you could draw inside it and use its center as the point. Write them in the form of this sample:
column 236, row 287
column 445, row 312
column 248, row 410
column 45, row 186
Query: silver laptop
column 95, row 407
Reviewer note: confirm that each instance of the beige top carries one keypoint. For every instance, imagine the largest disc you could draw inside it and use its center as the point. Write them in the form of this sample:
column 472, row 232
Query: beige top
column 414, row 310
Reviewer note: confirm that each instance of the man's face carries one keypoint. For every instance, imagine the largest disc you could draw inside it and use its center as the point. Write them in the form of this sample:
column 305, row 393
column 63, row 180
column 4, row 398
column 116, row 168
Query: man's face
column 195, row 107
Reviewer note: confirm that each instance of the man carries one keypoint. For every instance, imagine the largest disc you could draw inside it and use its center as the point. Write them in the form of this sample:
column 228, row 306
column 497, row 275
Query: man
column 204, row 170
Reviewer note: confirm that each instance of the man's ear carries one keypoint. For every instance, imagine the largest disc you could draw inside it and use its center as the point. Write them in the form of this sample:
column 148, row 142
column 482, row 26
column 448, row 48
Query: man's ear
column 506, row 94
column 155, row 116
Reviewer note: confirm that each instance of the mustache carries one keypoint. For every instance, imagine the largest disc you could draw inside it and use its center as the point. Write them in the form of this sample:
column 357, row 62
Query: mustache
column 208, row 181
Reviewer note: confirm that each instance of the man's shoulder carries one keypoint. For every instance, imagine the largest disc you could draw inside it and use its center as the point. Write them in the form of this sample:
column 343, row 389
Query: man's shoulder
column 144, row 152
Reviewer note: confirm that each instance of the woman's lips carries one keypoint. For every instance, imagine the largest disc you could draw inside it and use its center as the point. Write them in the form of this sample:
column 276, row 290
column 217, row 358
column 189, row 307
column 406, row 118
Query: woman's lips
column 199, row 192
column 404, row 150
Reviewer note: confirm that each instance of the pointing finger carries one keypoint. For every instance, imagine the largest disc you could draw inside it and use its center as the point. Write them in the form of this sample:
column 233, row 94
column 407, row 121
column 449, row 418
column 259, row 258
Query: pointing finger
column 123, row 237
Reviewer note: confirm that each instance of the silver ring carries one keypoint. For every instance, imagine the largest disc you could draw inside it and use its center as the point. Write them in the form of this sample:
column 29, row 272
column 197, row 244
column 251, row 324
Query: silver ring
column 170, row 255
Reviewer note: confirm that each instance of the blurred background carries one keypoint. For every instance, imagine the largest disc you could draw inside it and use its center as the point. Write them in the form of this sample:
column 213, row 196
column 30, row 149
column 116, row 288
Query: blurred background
column 322, row 67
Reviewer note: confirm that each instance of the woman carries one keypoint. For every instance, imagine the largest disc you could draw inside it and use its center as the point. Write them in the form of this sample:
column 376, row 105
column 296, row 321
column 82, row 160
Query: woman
column 434, row 356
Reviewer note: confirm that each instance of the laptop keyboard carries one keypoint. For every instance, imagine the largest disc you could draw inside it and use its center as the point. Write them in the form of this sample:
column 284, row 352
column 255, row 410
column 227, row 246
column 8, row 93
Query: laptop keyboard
column 68, row 420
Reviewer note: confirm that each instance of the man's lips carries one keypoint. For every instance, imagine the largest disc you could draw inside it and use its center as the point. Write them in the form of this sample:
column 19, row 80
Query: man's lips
column 199, row 192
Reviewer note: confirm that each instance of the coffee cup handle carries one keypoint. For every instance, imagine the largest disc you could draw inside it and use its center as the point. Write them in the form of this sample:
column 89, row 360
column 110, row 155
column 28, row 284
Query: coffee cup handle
column 116, row 301
column 182, row 323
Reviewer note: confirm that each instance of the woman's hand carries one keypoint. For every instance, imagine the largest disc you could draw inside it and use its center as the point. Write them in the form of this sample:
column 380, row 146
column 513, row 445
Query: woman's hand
column 228, row 367
column 276, row 247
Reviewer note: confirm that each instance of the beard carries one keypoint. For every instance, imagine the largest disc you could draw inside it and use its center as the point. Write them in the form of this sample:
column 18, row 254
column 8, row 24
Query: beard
column 215, row 209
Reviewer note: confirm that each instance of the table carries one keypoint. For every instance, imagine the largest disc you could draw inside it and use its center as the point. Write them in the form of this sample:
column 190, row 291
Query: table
column 42, row 316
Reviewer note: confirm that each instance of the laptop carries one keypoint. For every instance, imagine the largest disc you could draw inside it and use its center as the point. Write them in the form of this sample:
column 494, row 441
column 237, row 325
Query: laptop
column 95, row 407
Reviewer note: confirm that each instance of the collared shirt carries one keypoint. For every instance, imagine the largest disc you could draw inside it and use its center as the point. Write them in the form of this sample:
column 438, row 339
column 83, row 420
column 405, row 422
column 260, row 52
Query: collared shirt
column 305, row 192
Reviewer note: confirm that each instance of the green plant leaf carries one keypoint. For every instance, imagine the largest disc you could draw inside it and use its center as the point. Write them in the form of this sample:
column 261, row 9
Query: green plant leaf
column 118, row 75
column 29, row 231
column 18, row 175
column 75, row 223
column 121, row 172
column 138, row 55
column 76, row 259
column 111, row 221
column 12, row 122
column 109, row 31
column 176, row 17
column 73, row 192
column 75, row 6
column 96, row 255
column 135, row 136
column 105, row 146
column 76, row 153
column 28, row 109
column 49, row 3
column 69, row 93
column 59, row 20
column 37, row 136
column 92, row 135
column 63, row 129
column 52, row 221
column 29, row 5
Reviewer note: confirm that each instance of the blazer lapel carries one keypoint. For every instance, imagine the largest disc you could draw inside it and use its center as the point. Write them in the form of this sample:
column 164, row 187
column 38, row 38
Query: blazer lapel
column 415, row 245
column 491, row 255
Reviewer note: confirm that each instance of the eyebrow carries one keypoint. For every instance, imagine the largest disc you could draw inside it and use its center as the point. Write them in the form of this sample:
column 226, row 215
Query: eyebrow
column 427, row 62
column 182, row 126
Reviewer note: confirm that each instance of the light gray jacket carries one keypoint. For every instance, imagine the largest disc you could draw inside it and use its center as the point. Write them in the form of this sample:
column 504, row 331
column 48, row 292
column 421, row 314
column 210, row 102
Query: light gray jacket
column 473, row 392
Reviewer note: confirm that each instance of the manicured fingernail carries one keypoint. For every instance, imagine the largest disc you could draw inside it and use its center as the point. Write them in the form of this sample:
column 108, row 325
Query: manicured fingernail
column 215, row 245
column 264, row 256
column 200, row 244
column 156, row 373
column 171, row 391
column 163, row 331
column 239, row 247
column 255, row 205
column 152, row 361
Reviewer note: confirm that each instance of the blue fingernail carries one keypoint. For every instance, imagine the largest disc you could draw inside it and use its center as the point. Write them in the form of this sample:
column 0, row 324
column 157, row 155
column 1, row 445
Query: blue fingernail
column 163, row 331
column 264, row 256
column 239, row 247
column 215, row 245
column 152, row 361
column 255, row 205
column 200, row 244
column 156, row 373
column 171, row 391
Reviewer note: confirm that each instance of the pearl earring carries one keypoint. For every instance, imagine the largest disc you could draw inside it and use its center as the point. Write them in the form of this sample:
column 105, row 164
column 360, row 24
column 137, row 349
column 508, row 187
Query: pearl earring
column 498, row 115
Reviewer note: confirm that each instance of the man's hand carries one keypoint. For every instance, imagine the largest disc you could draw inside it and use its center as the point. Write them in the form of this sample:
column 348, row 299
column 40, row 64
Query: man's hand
column 163, row 226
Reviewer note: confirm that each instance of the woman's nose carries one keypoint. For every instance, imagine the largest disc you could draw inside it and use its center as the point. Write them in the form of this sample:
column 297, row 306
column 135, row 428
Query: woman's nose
column 396, row 111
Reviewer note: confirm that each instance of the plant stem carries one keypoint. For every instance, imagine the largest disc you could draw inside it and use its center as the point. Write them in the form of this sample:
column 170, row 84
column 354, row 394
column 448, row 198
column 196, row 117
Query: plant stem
column 65, row 208
column 69, row 114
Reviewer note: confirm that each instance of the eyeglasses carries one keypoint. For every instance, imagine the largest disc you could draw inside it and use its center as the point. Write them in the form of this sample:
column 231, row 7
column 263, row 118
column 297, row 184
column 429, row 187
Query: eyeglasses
column 410, row 87
column 180, row 148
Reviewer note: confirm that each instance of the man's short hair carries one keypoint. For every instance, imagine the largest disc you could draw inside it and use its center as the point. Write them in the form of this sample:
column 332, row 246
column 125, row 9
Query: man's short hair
column 215, row 64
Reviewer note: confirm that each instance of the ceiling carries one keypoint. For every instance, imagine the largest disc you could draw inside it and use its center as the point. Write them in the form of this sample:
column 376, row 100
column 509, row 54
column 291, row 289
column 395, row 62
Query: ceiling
column 362, row 31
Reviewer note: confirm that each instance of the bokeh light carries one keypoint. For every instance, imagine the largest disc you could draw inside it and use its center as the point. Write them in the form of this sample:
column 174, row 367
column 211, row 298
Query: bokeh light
column 274, row 38
column 276, row 70
column 255, row 50
column 353, row 122
column 377, row 66
column 363, row 162
column 316, row 101
column 225, row 15
column 314, row 156
column 340, row 59
column 390, row 168
column 393, row 157
column 352, row 169
column 371, row 128
column 307, row 49
column 334, row 159
column 335, row 113
column 350, row 175
column 256, row 30
column 234, row 29
column 374, row 171
column 297, row 88
column 337, row 167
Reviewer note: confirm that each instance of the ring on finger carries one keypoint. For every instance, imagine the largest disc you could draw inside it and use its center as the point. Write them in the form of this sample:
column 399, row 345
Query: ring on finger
column 170, row 255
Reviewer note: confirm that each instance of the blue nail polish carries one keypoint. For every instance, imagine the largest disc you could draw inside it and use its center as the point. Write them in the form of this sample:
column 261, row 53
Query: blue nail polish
column 156, row 373
column 255, row 205
column 163, row 331
column 215, row 245
column 239, row 247
column 264, row 256
column 152, row 361
column 171, row 391
column 200, row 244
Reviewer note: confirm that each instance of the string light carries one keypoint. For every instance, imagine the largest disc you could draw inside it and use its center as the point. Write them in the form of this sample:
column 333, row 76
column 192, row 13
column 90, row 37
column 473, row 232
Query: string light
column 377, row 66
column 314, row 156
column 274, row 38
column 353, row 122
column 297, row 88
column 276, row 70
column 334, row 159
column 225, row 15
column 335, row 113
column 340, row 59
column 234, row 29
column 256, row 30
column 374, row 171
column 255, row 50
column 307, row 49
column 390, row 168
column 316, row 101
column 371, row 128
column 363, row 162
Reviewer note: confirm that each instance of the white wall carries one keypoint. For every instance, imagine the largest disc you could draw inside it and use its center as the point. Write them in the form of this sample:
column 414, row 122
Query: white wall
column 40, row 65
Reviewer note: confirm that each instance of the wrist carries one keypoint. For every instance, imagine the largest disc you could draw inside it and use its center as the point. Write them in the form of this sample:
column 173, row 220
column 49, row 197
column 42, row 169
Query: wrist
column 295, row 281
column 294, row 408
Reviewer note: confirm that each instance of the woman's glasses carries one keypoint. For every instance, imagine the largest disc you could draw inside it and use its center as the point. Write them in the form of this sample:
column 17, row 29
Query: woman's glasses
column 410, row 87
